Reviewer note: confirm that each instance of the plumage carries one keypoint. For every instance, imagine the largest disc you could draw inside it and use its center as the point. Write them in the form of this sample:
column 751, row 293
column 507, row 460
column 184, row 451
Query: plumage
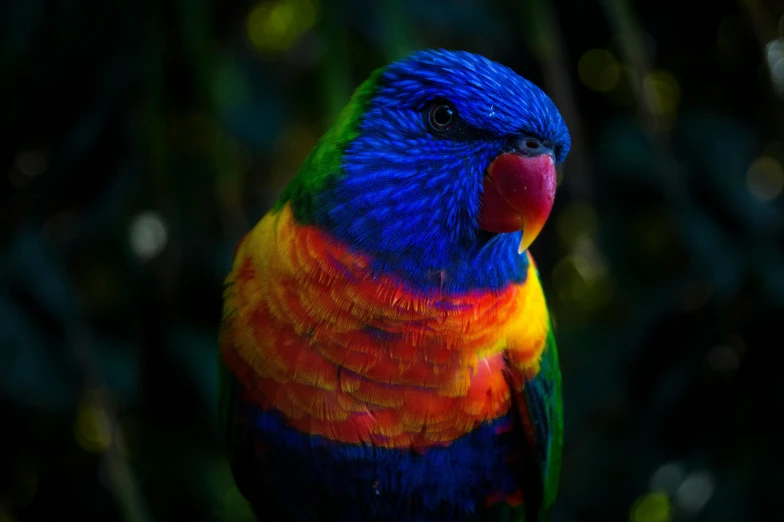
column 382, row 356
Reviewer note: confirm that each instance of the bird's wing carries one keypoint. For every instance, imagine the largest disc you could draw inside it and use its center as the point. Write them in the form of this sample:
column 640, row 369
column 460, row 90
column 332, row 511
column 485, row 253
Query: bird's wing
column 538, row 403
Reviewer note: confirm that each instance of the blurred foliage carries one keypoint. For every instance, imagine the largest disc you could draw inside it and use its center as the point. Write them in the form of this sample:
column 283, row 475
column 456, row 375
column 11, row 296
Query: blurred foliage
column 142, row 139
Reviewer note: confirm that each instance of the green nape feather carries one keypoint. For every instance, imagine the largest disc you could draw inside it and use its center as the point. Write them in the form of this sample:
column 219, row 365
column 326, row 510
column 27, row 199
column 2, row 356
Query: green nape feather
column 323, row 163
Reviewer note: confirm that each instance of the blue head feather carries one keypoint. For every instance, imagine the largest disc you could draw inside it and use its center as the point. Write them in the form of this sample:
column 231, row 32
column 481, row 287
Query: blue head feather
column 411, row 197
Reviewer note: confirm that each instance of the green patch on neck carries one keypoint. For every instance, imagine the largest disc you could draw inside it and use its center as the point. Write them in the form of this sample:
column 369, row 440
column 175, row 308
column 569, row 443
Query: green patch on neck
column 323, row 164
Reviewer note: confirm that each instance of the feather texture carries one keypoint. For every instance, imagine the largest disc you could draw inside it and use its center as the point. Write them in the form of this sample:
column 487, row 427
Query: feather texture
column 382, row 358
column 355, row 357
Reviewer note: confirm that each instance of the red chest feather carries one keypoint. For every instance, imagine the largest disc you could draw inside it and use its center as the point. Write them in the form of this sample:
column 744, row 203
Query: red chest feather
column 354, row 358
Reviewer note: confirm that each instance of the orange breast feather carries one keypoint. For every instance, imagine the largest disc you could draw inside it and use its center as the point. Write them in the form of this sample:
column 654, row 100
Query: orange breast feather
column 354, row 359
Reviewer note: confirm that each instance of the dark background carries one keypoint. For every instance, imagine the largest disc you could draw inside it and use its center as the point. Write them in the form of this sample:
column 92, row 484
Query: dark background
column 140, row 139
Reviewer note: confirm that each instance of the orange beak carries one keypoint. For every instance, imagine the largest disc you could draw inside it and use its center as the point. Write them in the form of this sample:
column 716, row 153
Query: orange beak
column 519, row 192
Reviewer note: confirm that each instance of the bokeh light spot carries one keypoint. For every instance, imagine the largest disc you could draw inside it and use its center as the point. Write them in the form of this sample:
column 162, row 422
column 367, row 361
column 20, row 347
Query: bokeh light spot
column 92, row 429
column 653, row 507
column 598, row 70
column 695, row 491
column 576, row 220
column 774, row 52
column 31, row 163
column 274, row 26
column 148, row 234
column 722, row 358
column 588, row 260
column 765, row 178
column 661, row 92
column 583, row 280
column 667, row 478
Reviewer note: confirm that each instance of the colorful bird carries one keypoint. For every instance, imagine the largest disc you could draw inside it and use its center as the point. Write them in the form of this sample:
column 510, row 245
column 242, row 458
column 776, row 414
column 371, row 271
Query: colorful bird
column 386, row 350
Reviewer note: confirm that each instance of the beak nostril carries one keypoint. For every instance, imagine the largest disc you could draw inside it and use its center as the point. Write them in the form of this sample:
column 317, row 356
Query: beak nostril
column 532, row 146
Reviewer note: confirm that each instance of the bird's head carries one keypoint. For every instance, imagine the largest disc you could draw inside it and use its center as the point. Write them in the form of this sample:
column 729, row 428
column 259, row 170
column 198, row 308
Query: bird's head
column 434, row 157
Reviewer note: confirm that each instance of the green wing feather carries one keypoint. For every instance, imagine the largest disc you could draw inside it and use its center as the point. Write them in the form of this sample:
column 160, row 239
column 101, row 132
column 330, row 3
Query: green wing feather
column 538, row 401
column 545, row 388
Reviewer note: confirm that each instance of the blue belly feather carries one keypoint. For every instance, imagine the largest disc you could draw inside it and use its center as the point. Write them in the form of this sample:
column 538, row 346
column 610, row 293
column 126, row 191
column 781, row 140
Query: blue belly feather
column 373, row 483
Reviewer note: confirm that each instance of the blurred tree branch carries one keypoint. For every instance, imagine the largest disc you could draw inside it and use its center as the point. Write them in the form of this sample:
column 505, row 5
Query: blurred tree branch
column 122, row 480
column 622, row 19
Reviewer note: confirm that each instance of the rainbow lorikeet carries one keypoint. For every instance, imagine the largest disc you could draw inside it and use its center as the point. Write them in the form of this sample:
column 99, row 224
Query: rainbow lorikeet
column 386, row 350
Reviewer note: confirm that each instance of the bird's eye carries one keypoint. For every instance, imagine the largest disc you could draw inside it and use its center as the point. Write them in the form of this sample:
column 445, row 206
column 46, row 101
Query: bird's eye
column 441, row 116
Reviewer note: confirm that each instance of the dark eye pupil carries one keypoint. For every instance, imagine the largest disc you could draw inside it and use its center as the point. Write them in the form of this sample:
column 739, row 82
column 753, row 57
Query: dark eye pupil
column 441, row 116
